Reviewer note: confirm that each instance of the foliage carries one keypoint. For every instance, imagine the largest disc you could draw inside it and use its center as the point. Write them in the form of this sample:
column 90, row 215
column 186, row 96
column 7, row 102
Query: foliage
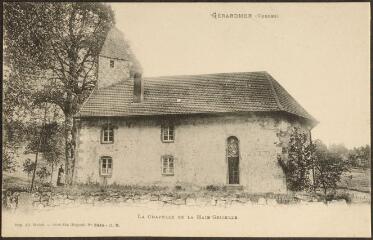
column 306, row 158
column 344, row 195
column 8, row 161
column 51, row 143
column 298, row 165
column 56, row 46
column 16, row 108
column 213, row 188
column 43, row 173
column 329, row 167
column 360, row 156
column 339, row 149
column 28, row 166
column 178, row 188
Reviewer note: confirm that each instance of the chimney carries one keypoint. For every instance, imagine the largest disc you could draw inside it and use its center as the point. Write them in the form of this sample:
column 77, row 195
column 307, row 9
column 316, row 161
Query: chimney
column 138, row 88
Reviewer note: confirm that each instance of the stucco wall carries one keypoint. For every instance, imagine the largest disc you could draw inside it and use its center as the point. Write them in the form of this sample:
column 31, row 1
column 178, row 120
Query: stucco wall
column 199, row 150
column 108, row 75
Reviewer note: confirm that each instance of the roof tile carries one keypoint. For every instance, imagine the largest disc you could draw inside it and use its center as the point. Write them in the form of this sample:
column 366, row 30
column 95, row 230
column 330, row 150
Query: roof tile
column 207, row 93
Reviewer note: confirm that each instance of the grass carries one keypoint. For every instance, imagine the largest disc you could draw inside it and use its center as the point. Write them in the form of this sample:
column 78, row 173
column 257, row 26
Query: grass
column 357, row 179
column 20, row 184
column 12, row 182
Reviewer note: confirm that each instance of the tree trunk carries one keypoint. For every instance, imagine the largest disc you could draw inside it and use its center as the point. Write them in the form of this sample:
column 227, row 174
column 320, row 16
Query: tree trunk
column 73, row 145
column 68, row 148
column 51, row 175
column 36, row 164
column 72, row 56
column 38, row 148
column 325, row 192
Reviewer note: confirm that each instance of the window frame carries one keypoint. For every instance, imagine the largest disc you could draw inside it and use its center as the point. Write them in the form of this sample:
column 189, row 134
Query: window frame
column 107, row 128
column 168, row 171
column 167, row 127
column 106, row 159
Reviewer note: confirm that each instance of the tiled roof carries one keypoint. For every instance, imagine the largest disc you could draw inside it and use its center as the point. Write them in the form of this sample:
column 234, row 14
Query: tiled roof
column 115, row 45
column 189, row 94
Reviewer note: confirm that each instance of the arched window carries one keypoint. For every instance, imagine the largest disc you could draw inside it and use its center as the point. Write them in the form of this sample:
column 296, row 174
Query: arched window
column 233, row 150
column 107, row 134
column 106, row 166
column 233, row 157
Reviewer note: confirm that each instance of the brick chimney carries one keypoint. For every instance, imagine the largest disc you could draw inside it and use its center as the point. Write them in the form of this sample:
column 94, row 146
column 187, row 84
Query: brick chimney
column 138, row 88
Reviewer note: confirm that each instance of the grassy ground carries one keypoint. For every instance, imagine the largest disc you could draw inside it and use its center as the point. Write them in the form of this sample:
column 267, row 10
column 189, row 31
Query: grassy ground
column 10, row 181
column 357, row 179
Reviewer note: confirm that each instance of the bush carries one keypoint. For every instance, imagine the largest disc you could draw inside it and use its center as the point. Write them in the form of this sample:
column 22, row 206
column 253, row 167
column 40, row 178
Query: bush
column 297, row 165
column 346, row 196
column 213, row 188
column 44, row 187
column 329, row 167
column 28, row 166
column 43, row 173
column 285, row 199
column 17, row 189
column 178, row 188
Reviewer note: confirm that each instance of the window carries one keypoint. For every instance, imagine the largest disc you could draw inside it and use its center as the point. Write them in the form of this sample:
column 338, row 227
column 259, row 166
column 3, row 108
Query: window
column 107, row 135
column 168, row 133
column 233, row 158
column 111, row 63
column 167, row 165
column 106, row 166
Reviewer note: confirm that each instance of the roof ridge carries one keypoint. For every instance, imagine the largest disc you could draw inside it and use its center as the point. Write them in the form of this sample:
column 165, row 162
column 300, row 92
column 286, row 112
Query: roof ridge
column 203, row 74
column 270, row 79
column 117, row 58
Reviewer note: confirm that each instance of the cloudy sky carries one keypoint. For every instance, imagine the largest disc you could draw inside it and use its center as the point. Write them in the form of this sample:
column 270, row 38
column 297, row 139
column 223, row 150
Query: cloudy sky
column 319, row 52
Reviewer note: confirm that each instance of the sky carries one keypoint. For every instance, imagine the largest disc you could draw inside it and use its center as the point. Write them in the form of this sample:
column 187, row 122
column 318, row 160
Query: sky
column 319, row 52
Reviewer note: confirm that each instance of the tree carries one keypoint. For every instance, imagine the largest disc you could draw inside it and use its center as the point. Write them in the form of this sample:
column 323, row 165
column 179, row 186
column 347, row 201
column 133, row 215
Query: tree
column 48, row 141
column 43, row 173
column 298, row 165
column 52, row 146
column 339, row 149
column 9, row 154
column 15, row 121
column 28, row 166
column 329, row 166
column 58, row 44
column 360, row 156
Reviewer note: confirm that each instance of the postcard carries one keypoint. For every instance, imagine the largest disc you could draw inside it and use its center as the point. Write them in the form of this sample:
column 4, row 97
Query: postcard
column 186, row 119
